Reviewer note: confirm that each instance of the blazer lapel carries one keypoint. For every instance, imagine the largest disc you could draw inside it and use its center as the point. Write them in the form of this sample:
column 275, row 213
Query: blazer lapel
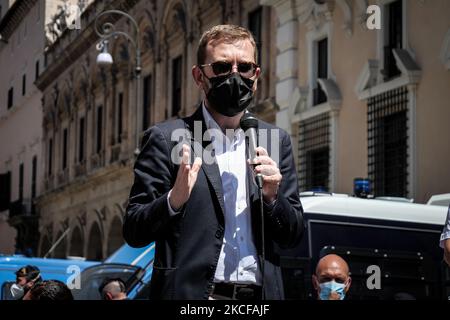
column 213, row 174
column 211, row 170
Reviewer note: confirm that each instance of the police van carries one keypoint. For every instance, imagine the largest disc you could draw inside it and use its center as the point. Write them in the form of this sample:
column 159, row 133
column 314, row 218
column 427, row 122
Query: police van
column 55, row 269
column 390, row 244
column 133, row 266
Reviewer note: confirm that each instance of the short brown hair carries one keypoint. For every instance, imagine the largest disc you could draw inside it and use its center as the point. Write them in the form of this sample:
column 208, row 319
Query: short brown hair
column 226, row 33
column 51, row 290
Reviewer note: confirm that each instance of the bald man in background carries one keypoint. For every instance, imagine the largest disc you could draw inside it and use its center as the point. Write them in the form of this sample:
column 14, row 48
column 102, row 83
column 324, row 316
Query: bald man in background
column 332, row 280
column 113, row 289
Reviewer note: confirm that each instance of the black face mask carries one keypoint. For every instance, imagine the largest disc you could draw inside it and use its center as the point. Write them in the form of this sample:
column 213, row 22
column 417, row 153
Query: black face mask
column 230, row 94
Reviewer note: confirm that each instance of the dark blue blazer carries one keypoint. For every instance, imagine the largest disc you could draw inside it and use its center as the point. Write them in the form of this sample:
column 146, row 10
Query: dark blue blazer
column 188, row 244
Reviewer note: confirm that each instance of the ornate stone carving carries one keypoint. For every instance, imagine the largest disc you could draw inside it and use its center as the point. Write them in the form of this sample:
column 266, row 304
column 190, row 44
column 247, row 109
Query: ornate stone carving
column 332, row 91
column 315, row 13
column 148, row 38
column 227, row 10
column 346, row 8
column 65, row 224
column 82, row 218
column 299, row 100
column 58, row 22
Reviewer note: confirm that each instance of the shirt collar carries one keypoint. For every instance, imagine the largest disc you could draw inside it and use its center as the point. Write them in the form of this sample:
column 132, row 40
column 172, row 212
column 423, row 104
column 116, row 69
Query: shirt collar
column 209, row 120
column 212, row 124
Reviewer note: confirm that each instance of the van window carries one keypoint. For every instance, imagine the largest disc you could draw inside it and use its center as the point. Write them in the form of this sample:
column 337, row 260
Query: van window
column 296, row 273
column 366, row 233
column 412, row 254
column 92, row 278
column 403, row 275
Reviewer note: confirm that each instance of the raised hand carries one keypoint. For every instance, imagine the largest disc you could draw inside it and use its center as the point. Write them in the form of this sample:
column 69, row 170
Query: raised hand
column 186, row 178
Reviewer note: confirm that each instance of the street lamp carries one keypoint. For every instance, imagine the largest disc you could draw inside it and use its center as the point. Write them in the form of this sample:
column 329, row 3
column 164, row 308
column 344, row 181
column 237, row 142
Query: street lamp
column 104, row 58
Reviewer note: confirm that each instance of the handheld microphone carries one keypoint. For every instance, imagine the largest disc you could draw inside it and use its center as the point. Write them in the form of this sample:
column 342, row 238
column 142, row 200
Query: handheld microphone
column 249, row 124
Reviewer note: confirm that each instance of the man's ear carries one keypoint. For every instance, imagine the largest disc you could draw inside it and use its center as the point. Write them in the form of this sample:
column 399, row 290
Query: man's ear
column 349, row 283
column 109, row 296
column 198, row 76
column 315, row 282
column 257, row 74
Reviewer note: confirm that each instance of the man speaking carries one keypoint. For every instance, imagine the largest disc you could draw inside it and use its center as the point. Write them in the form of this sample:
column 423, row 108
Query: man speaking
column 205, row 216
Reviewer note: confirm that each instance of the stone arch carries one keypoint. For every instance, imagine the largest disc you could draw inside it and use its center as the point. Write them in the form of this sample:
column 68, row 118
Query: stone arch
column 76, row 242
column 120, row 50
column 121, row 209
column 195, row 22
column 175, row 19
column 60, row 250
column 172, row 43
column 49, row 106
column 115, row 236
column 95, row 243
column 123, row 57
column 98, row 77
column 65, row 100
column 81, row 80
column 147, row 29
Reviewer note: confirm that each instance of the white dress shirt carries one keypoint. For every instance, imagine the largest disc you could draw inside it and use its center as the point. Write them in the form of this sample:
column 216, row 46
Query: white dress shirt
column 238, row 260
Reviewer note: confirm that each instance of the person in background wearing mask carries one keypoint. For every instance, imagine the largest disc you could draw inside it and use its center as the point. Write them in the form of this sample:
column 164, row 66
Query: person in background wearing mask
column 445, row 239
column 113, row 289
column 26, row 278
column 332, row 280
column 204, row 216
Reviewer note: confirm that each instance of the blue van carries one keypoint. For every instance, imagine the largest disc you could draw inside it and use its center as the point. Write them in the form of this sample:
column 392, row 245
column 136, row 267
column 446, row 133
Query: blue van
column 133, row 265
column 54, row 269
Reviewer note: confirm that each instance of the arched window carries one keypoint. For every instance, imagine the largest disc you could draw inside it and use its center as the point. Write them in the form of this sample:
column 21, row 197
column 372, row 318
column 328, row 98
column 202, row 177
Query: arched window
column 61, row 248
column 45, row 245
column 95, row 244
column 115, row 238
column 76, row 243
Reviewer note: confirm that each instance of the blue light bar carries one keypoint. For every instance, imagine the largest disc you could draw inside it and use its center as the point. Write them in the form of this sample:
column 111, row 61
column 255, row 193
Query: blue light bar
column 362, row 187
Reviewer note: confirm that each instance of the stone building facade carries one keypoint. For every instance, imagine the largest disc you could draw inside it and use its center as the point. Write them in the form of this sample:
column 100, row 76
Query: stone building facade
column 24, row 26
column 356, row 102
column 361, row 102
column 21, row 60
